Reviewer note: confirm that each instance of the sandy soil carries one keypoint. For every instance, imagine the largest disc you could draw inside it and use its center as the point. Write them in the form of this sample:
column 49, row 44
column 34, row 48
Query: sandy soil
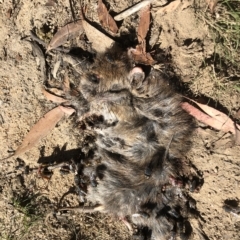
column 23, row 196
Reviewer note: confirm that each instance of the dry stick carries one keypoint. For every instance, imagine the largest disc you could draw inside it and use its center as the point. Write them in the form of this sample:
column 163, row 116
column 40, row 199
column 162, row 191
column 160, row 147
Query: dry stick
column 72, row 10
column 35, row 38
column 86, row 209
column 37, row 52
column 58, row 165
column 132, row 10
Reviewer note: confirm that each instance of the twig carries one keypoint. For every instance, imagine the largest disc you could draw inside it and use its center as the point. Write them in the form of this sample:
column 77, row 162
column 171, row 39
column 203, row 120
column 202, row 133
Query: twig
column 35, row 38
column 132, row 10
column 83, row 209
column 52, row 167
column 72, row 10
column 37, row 52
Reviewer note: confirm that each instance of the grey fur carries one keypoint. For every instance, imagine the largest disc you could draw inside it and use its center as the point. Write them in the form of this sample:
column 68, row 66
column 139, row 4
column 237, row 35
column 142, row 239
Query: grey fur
column 141, row 136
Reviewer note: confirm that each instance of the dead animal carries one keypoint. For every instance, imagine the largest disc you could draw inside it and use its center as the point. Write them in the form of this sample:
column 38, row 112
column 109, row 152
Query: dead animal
column 136, row 171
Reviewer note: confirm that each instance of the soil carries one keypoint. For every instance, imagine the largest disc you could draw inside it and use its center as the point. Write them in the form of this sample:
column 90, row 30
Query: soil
column 27, row 201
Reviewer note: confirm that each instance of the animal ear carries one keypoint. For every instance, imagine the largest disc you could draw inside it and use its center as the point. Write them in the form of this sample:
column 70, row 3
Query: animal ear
column 136, row 77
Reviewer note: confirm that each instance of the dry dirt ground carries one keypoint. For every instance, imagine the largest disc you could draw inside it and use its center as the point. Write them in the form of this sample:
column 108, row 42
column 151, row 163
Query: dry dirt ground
column 26, row 205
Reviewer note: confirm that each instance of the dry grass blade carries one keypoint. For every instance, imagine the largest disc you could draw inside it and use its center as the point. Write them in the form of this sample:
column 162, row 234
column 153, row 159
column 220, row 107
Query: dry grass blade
column 40, row 130
column 144, row 23
column 214, row 122
column 86, row 209
column 100, row 42
column 65, row 33
column 105, row 18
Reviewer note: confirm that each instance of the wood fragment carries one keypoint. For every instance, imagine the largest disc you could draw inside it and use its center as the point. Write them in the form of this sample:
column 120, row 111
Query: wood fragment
column 132, row 10
column 72, row 9
column 34, row 37
column 84, row 209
